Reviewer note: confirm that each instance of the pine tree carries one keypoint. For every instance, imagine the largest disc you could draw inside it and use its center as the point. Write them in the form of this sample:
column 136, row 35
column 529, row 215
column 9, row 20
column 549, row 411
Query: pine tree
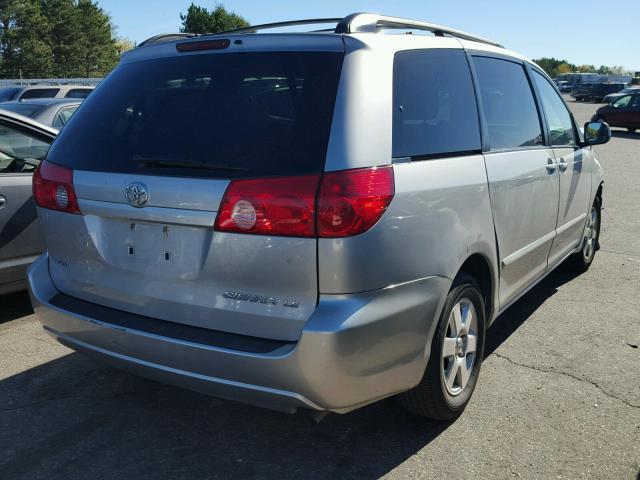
column 64, row 30
column 24, row 40
column 59, row 38
column 200, row 20
column 98, row 51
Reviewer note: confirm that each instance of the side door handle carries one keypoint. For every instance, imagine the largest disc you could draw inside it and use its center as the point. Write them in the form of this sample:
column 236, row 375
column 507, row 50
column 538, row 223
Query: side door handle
column 562, row 165
column 552, row 167
column 3, row 201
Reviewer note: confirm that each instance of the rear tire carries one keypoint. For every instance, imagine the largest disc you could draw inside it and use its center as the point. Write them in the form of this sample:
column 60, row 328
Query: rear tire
column 456, row 355
column 581, row 260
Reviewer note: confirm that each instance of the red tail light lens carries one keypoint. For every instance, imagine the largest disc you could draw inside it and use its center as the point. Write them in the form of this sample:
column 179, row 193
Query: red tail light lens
column 271, row 206
column 53, row 188
column 350, row 202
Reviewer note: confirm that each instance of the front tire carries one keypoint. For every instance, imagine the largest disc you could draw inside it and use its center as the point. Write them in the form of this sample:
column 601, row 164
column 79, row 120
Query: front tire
column 581, row 261
column 456, row 355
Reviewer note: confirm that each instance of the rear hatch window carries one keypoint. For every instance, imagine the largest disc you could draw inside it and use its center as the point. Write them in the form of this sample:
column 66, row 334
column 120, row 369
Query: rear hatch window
column 218, row 115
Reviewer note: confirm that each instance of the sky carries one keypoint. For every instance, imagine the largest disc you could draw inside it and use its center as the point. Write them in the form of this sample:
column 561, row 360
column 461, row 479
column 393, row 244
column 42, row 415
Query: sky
column 580, row 31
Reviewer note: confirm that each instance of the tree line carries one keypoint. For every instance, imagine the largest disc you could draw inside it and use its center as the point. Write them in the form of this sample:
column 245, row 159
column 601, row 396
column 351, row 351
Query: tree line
column 56, row 38
column 75, row 38
column 555, row 67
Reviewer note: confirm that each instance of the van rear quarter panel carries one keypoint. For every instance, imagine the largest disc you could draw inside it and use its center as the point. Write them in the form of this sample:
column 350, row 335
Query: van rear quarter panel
column 440, row 215
column 441, row 212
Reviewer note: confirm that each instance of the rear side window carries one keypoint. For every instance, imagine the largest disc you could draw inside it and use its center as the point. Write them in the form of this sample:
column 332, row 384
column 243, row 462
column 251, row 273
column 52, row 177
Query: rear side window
column 507, row 100
column 434, row 106
column 40, row 93
column 558, row 117
column 218, row 115
column 78, row 93
column 63, row 116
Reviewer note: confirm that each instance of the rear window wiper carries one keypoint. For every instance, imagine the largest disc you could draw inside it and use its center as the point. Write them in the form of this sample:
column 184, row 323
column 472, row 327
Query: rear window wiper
column 153, row 162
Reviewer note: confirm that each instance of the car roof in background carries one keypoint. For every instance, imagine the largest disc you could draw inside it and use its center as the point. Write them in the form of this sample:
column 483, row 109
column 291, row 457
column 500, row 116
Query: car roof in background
column 45, row 101
column 42, row 86
column 6, row 114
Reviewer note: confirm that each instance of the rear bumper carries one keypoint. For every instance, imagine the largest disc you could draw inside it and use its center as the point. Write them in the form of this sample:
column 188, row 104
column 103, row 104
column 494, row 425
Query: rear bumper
column 353, row 350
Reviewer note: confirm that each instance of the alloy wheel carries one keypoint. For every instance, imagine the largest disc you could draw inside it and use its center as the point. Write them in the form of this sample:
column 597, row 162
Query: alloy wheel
column 590, row 235
column 459, row 347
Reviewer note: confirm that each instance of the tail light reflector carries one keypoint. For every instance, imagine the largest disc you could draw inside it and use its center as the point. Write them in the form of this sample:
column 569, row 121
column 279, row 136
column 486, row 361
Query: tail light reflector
column 336, row 204
column 53, row 188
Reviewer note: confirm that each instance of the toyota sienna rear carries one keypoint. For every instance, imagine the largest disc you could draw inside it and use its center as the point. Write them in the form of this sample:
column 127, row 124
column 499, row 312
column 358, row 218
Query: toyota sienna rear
column 277, row 219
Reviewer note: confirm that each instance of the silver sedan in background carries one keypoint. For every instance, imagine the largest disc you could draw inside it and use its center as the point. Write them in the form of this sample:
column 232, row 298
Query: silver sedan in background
column 52, row 112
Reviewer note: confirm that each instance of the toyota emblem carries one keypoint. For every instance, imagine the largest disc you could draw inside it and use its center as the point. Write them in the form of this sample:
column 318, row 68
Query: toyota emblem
column 137, row 194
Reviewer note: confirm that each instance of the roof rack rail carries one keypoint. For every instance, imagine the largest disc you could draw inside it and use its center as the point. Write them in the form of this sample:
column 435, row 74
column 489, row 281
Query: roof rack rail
column 371, row 22
column 166, row 37
column 354, row 23
column 290, row 23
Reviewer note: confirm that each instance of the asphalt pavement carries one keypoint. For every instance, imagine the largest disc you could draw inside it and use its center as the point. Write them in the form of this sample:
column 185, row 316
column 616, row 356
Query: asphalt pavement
column 558, row 397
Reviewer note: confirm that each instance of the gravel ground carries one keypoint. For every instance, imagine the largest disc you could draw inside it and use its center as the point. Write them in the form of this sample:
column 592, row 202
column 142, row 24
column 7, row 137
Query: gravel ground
column 559, row 394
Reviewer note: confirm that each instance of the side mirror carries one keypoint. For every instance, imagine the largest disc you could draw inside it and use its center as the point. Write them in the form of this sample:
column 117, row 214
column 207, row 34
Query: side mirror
column 596, row 133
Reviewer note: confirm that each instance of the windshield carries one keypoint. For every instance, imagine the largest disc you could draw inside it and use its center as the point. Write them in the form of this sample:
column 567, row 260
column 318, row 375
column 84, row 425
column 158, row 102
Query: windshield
column 226, row 115
column 26, row 109
column 7, row 93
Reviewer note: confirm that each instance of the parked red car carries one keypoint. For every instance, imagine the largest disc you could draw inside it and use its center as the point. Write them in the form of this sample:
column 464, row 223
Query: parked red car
column 623, row 112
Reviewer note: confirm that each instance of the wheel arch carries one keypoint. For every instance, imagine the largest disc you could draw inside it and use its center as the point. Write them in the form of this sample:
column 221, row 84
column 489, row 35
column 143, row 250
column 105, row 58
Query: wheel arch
column 598, row 194
column 479, row 267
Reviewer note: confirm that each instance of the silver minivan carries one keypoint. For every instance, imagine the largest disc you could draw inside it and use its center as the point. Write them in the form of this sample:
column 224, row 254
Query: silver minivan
column 316, row 220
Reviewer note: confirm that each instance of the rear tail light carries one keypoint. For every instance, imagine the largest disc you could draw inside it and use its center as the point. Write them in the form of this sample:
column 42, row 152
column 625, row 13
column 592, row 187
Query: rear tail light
column 272, row 206
column 336, row 204
column 350, row 202
column 53, row 188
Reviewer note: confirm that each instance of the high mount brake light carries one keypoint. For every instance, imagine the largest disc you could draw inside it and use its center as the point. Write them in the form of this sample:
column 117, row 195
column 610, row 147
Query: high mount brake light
column 336, row 204
column 203, row 45
column 53, row 188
